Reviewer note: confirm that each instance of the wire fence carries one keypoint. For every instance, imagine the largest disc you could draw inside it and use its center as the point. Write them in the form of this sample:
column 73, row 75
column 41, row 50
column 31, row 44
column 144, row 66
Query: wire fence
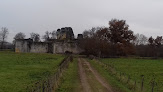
column 52, row 82
column 136, row 85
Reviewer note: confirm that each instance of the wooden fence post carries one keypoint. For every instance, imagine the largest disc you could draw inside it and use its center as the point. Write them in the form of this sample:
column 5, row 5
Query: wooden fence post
column 128, row 80
column 120, row 76
column 43, row 89
column 142, row 82
column 135, row 85
column 153, row 83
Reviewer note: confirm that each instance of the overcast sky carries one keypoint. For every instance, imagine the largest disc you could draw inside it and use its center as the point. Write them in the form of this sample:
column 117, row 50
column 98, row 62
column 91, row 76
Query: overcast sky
column 143, row 16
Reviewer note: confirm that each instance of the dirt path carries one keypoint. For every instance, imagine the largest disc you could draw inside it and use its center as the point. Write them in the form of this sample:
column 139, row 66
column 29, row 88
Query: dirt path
column 83, row 78
column 91, row 80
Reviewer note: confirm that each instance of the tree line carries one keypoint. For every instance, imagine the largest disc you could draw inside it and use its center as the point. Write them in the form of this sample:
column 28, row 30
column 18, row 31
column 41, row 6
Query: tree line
column 36, row 37
column 3, row 36
column 118, row 40
column 20, row 35
column 115, row 40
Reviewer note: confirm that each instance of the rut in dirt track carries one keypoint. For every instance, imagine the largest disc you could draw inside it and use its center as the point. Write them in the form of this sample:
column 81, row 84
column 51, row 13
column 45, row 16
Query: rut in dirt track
column 91, row 80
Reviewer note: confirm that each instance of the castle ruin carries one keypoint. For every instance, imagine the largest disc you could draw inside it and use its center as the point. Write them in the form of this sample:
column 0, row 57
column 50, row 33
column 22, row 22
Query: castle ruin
column 65, row 43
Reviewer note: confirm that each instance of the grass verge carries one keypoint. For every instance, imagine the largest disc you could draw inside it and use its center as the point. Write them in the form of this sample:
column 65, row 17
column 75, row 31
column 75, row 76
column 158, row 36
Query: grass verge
column 70, row 81
column 151, row 69
column 116, row 85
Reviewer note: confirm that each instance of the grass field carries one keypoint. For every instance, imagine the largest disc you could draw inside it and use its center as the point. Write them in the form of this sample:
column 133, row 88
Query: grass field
column 19, row 70
column 150, row 68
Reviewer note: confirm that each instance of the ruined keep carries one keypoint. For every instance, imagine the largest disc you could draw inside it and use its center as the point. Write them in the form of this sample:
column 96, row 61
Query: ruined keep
column 65, row 43
column 65, row 34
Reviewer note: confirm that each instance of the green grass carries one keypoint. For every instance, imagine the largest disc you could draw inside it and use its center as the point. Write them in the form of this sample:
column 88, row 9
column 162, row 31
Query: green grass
column 19, row 70
column 70, row 81
column 116, row 85
column 150, row 68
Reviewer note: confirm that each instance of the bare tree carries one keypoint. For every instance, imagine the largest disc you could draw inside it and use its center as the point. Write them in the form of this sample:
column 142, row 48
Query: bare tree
column 20, row 35
column 85, row 34
column 158, row 41
column 152, row 48
column 46, row 36
column 53, row 34
column 151, row 41
column 96, row 41
column 155, row 46
column 3, row 36
column 35, row 37
column 140, row 39
column 91, row 32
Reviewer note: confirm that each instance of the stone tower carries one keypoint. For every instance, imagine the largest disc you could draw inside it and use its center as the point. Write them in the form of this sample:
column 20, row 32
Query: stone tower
column 65, row 33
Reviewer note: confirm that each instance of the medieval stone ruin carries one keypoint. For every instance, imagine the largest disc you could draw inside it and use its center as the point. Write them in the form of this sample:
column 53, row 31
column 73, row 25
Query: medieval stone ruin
column 65, row 43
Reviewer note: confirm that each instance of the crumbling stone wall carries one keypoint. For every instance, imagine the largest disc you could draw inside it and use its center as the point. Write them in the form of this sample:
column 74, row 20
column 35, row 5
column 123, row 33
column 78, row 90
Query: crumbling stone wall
column 60, row 47
column 22, row 46
column 39, row 47
column 63, row 47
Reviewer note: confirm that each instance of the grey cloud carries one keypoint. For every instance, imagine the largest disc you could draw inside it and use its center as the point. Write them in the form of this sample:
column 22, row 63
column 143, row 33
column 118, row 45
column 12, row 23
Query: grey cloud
column 143, row 16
